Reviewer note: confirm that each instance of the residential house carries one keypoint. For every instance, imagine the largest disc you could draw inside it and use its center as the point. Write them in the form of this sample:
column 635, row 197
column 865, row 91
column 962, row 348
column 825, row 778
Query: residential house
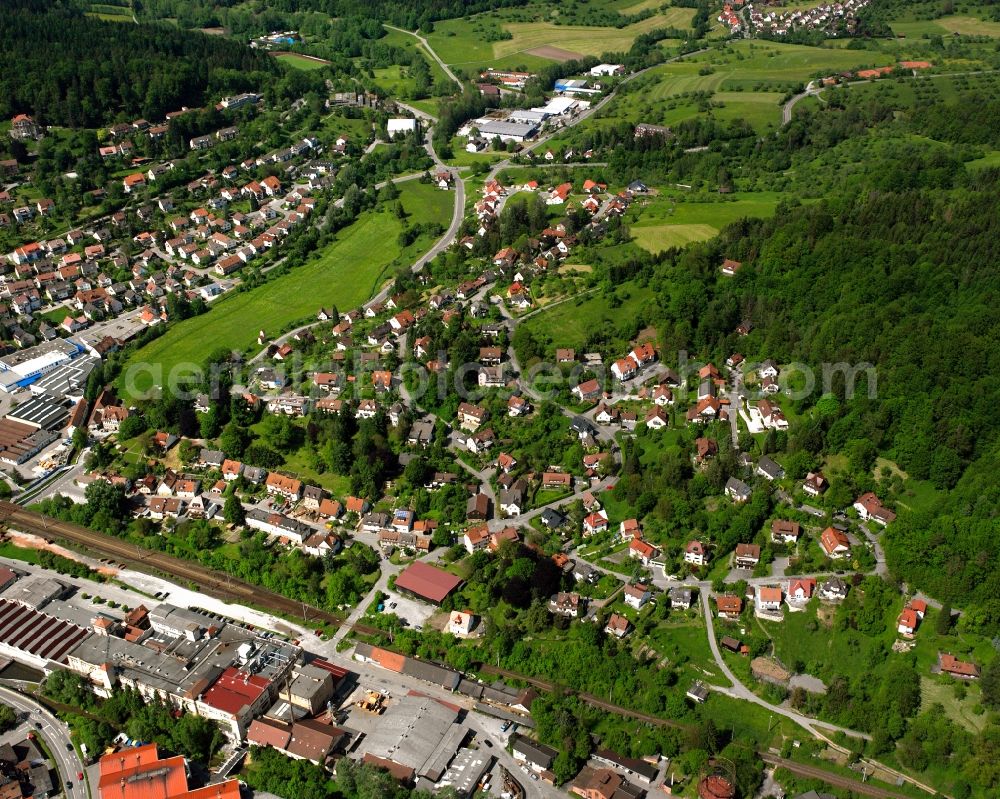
column 656, row 418
column 594, row 523
column 478, row 508
column 629, row 529
column 769, row 469
column 835, row 543
column 747, row 556
column 695, row 553
column 800, row 590
column 728, row 606
column 705, row 448
column 588, row 390
column 470, row 417
column 814, row 484
column 618, row 626
column 681, row 598
column 833, row 590
column 907, row 623
column 280, row 485
column 568, row 604
column 476, row 538
column 785, row 532
column 642, row 551
column 870, row 507
column 637, row 595
column 768, row 599
column 949, row 664
column 737, row 490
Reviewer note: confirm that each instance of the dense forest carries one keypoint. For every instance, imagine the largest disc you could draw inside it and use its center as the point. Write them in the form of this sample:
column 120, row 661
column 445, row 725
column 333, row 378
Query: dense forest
column 277, row 15
column 65, row 68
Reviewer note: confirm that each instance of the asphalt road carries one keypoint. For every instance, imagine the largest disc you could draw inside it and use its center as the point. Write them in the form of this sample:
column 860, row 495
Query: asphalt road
column 56, row 737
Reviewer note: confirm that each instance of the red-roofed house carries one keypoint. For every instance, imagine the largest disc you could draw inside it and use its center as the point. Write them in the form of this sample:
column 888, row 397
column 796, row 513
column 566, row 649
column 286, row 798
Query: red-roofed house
column 835, row 543
column 870, row 507
column 957, row 668
column 729, row 607
column 907, row 623
column 642, row 551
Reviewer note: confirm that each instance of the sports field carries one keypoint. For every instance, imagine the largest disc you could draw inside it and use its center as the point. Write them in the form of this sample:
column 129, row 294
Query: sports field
column 347, row 273
column 300, row 61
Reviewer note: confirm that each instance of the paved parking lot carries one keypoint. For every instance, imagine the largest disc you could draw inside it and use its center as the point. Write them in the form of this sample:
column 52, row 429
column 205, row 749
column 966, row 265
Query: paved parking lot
column 415, row 613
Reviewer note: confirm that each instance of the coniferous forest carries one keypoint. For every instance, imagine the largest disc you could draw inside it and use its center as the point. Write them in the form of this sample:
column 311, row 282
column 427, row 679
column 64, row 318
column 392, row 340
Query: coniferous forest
column 65, row 68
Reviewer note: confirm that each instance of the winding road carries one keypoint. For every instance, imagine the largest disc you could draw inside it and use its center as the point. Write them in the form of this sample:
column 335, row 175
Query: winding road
column 56, row 737
column 430, row 51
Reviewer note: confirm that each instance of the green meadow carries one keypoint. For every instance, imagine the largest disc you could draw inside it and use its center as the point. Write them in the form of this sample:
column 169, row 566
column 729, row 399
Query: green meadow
column 346, row 273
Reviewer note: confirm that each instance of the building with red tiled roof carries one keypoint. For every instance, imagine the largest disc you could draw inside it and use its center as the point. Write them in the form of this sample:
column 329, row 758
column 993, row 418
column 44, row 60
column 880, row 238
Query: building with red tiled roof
column 427, row 582
column 949, row 664
column 235, row 698
column 139, row 773
column 835, row 543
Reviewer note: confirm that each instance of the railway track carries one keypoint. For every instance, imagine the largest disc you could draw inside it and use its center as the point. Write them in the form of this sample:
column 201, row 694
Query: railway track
column 207, row 580
column 836, row 780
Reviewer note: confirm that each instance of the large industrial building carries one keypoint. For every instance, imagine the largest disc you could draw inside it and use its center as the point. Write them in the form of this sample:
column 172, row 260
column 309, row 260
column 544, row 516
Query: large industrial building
column 22, row 368
column 141, row 773
column 216, row 670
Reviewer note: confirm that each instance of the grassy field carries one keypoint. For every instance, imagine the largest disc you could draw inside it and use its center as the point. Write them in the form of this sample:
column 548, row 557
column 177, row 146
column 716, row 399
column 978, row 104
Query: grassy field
column 570, row 323
column 465, row 42
column 666, row 223
column 961, row 711
column 300, row 62
column 954, row 24
column 347, row 272
column 407, row 42
column 584, row 39
column 745, row 80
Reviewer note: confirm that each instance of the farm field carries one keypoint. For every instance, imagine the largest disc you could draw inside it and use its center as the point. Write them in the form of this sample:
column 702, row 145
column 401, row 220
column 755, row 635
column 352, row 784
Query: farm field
column 954, row 24
column 666, row 223
column 346, row 274
column 745, row 81
column 465, row 42
column 300, row 61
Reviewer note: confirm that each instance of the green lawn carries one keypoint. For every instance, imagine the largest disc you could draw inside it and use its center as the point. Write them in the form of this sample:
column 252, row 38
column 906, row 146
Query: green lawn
column 296, row 463
column 683, row 641
column 961, row 711
column 345, row 274
column 674, row 222
column 300, row 62
column 954, row 24
column 9, row 550
column 656, row 238
column 570, row 323
column 825, row 650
